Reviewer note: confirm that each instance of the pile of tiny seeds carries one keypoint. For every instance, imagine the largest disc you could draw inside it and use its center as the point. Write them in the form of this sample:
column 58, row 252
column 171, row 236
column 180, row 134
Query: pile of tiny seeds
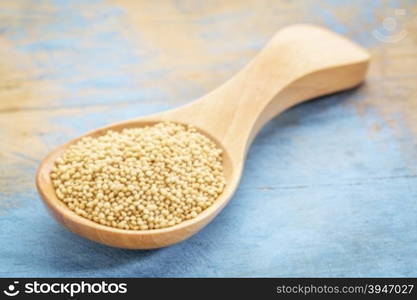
column 140, row 178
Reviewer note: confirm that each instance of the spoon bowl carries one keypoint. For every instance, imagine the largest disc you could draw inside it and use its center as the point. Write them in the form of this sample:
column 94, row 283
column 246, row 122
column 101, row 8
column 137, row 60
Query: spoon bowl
column 143, row 239
column 300, row 62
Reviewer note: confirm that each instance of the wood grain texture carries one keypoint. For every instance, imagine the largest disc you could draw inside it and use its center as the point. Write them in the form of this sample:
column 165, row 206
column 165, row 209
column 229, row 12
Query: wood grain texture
column 336, row 178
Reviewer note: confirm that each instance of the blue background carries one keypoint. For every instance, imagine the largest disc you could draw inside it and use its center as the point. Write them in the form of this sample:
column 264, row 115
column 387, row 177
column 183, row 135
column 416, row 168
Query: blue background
column 328, row 188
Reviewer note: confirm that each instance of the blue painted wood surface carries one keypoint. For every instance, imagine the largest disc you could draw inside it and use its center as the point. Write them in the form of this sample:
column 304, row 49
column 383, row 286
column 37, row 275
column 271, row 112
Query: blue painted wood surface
column 329, row 187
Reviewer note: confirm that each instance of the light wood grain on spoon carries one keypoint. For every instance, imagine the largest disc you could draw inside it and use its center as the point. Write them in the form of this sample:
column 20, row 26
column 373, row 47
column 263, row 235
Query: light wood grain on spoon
column 300, row 62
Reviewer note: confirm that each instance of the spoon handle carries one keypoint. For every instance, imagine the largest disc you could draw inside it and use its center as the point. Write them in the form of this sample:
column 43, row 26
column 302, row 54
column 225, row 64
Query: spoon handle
column 299, row 63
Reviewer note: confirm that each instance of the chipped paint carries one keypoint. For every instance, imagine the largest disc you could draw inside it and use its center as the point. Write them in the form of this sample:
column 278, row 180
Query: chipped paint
column 20, row 127
column 335, row 176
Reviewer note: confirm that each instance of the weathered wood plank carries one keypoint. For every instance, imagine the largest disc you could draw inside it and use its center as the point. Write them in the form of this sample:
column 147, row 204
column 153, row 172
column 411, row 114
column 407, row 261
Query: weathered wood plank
column 329, row 187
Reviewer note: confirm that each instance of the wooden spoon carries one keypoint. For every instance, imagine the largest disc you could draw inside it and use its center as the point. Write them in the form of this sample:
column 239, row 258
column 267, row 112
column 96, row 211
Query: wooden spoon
column 299, row 63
